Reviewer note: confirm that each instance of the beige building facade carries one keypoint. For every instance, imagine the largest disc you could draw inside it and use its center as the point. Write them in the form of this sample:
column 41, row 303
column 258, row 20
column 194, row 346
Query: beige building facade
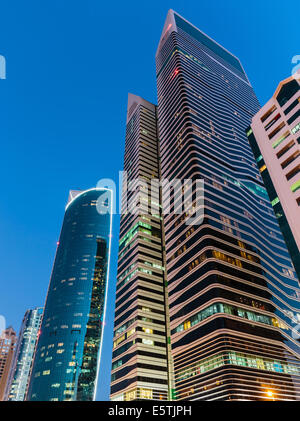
column 8, row 340
column 275, row 138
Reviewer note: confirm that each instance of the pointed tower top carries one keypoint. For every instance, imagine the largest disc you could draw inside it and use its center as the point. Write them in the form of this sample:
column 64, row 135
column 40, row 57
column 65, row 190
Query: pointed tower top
column 169, row 26
column 174, row 21
column 134, row 101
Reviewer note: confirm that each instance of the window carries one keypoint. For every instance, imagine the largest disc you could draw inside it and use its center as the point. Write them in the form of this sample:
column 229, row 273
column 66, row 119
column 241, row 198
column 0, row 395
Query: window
column 275, row 201
column 285, row 149
column 147, row 330
column 131, row 395
column 147, row 341
column 281, row 139
column 294, row 116
column 273, row 121
column 292, row 106
column 296, row 128
column 278, row 128
column 119, row 340
column 262, row 168
column 293, row 172
column 295, row 186
column 228, row 309
column 267, row 114
column 287, row 91
column 130, row 332
column 146, row 394
column 290, row 159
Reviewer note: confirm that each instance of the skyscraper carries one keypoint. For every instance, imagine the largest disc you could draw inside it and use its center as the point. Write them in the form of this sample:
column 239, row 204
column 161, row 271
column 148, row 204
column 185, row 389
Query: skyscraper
column 275, row 139
column 232, row 298
column 8, row 340
column 140, row 363
column 23, row 357
column 67, row 356
column 233, row 293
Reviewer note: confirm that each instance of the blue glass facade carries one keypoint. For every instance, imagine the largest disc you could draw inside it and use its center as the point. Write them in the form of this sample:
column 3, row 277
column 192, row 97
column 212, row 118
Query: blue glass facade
column 68, row 351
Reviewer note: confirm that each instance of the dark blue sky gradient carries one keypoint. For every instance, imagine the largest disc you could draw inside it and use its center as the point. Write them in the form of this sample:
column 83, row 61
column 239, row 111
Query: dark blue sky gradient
column 70, row 65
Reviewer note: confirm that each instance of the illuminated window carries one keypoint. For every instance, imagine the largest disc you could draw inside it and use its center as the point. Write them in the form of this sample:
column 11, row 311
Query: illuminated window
column 131, row 395
column 147, row 330
column 295, row 186
column 296, row 129
column 187, row 325
column 146, row 394
column 280, row 140
column 147, row 341
column 119, row 340
column 262, row 168
column 130, row 332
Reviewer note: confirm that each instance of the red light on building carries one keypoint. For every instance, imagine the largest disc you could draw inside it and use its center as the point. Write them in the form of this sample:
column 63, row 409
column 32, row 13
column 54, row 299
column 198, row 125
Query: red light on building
column 175, row 73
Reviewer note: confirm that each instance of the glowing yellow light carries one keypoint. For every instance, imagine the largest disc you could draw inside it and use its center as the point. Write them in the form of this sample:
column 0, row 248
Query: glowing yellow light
column 270, row 393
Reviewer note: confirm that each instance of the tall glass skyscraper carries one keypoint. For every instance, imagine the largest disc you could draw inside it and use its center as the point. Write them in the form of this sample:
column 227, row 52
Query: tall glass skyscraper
column 233, row 293
column 233, row 298
column 68, row 352
column 140, row 363
column 23, row 357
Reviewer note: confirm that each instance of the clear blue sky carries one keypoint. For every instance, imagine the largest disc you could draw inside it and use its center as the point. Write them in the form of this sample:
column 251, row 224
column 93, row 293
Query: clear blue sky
column 70, row 65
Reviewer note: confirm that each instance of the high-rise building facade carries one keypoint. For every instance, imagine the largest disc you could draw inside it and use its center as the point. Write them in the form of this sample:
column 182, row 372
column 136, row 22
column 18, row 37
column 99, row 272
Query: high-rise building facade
column 23, row 357
column 275, row 139
column 8, row 340
column 140, row 364
column 67, row 356
column 233, row 294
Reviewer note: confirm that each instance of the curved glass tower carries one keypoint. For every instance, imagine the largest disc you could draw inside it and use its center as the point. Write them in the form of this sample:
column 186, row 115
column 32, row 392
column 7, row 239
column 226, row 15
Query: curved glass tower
column 68, row 351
